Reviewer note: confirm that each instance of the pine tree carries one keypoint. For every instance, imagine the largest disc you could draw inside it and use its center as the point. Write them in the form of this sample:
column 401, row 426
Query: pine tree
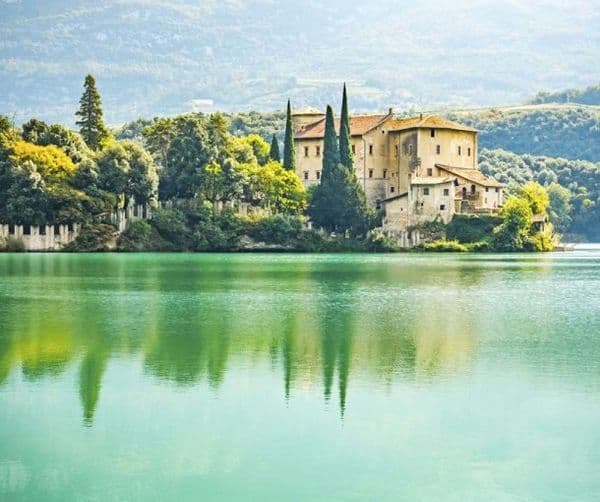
column 289, row 150
column 345, row 145
column 90, row 124
column 331, row 153
column 274, row 151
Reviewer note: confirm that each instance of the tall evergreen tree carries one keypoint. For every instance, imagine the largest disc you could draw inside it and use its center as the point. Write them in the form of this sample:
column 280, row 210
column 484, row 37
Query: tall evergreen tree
column 274, row 151
column 345, row 145
column 289, row 149
column 91, row 124
column 331, row 153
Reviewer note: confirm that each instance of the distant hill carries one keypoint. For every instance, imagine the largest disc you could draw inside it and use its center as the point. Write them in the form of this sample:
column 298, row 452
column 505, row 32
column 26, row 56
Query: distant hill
column 568, row 131
column 160, row 57
column 588, row 96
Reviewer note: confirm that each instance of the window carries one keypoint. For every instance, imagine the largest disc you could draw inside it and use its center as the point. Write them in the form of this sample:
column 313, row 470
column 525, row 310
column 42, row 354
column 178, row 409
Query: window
column 318, row 151
column 473, row 189
column 442, row 207
column 426, row 191
column 487, row 189
column 353, row 149
column 26, row 230
column 429, row 171
column 370, row 149
column 385, row 173
column 446, row 192
column 433, row 133
column 395, row 150
column 370, row 173
column 469, row 151
column 438, row 149
column 410, row 149
column 306, row 151
column 305, row 175
column 318, row 175
column 460, row 150
column 392, row 189
column 497, row 190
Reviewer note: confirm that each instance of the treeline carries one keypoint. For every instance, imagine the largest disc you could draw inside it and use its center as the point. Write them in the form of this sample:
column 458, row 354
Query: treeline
column 588, row 96
column 573, row 186
column 570, row 132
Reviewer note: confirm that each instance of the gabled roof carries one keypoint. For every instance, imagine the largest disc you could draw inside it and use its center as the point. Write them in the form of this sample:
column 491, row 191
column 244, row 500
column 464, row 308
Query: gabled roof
column 473, row 175
column 359, row 125
column 428, row 122
column 395, row 197
column 431, row 180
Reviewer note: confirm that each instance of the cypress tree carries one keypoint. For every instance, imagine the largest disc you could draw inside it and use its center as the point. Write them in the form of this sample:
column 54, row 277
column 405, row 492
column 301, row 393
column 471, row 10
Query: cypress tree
column 274, row 151
column 289, row 150
column 345, row 145
column 331, row 153
column 91, row 124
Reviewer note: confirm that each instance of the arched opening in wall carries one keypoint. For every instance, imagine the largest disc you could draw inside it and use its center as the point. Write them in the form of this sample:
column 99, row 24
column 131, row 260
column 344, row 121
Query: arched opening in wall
column 464, row 192
column 56, row 229
column 473, row 189
column 26, row 229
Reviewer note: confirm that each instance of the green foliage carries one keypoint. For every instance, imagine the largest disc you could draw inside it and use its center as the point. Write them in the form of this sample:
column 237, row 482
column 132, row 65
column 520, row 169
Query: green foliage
column 445, row 246
column 93, row 238
column 560, row 207
column 289, row 149
column 274, row 149
column 172, row 226
column 536, row 196
column 467, row 228
column 513, row 233
column 91, row 124
column 278, row 229
column 138, row 236
column 345, row 145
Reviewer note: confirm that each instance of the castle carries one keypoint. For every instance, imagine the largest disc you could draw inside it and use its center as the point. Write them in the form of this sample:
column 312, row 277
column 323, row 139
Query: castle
column 417, row 169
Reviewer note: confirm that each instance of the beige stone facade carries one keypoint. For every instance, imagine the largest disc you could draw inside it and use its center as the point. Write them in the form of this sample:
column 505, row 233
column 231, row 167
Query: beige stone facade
column 418, row 169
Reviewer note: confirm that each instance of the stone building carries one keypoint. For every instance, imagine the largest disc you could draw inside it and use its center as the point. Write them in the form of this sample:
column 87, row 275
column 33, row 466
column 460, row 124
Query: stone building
column 417, row 169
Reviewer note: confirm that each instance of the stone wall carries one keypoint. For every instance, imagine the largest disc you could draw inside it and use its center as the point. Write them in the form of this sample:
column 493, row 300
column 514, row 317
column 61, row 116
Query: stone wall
column 42, row 237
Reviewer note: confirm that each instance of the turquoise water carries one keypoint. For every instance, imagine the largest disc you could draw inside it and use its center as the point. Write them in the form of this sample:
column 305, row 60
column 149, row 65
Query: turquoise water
column 300, row 377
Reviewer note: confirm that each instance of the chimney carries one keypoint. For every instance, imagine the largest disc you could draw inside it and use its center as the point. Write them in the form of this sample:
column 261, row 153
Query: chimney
column 420, row 116
column 390, row 111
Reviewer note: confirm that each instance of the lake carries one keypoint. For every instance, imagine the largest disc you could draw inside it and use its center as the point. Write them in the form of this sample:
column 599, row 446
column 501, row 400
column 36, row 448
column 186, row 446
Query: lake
column 300, row 377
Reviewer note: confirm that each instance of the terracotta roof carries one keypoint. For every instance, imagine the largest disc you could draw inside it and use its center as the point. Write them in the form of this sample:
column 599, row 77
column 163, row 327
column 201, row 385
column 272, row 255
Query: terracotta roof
column 359, row 125
column 431, row 181
column 394, row 197
column 473, row 175
column 429, row 122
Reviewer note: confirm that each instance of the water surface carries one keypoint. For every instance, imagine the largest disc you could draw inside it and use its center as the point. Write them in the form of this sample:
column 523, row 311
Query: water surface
column 300, row 377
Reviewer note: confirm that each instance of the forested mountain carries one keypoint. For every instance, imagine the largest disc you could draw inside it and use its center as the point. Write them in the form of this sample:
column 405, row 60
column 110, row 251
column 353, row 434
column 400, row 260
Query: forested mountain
column 159, row 57
column 588, row 96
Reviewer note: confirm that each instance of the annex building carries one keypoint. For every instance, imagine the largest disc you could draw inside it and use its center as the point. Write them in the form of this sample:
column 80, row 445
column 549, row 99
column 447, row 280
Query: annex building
column 417, row 169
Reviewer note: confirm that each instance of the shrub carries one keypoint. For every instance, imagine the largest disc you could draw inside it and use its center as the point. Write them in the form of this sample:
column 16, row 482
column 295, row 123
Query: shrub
column 471, row 228
column 278, row 229
column 138, row 236
column 171, row 224
column 93, row 237
column 12, row 245
column 381, row 243
column 443, row 245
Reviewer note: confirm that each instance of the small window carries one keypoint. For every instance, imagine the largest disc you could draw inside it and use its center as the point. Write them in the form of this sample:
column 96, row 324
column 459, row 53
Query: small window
column 442, row 207
column 26, row 230
column 438, row 149
column 410, row 149
column 385, row 173
column 56, row 229
column 370, row 149
column 497, row 190
column 43, row 230
column 473, row 189
column 433, row 133
column 395, row 150
column 318, row 151
column 469, row 151
column 306, row 151
column 446, row 192
column 306, row 175
column 426, row 191
column 487, row 189
column 392, row 189
column 429, row 171
column 460, row 150
column 370, row 173
column 318, row 175
column 353, row 149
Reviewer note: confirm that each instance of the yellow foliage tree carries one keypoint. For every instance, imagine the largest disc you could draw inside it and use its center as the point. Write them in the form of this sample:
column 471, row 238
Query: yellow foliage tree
column 51, row 162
